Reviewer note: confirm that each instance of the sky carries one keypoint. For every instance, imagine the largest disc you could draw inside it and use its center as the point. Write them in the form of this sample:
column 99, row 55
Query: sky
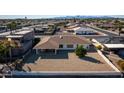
column 43, row 16
column 61, row 7
column 28, row 16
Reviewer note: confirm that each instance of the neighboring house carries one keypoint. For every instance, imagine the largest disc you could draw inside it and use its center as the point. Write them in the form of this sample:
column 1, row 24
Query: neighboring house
column 24, row 38
column 84, row 31
column 70, row 25
column 3, row 29
column 107, row 25
column 44, row 29
column 40, row 29
column 116, row 48
column 64, row 42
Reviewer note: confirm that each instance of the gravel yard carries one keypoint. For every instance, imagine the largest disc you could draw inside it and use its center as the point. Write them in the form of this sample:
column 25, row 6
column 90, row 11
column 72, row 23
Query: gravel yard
column 66, row 61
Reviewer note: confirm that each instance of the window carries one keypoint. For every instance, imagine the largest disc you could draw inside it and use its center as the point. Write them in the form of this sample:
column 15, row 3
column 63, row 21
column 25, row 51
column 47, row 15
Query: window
column 69, row 46
column 60, row 46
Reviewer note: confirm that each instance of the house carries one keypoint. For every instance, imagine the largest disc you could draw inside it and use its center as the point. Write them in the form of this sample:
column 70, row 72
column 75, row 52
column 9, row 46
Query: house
column 115, row 48
column 84, row 31
column 44, row 29
column 24, row 38
column 3, row 29
column 59, row 42
column 70, row 27
column 40, row 29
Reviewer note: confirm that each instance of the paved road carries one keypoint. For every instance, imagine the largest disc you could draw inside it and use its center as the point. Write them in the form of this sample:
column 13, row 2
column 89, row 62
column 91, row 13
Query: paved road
column 109, row 33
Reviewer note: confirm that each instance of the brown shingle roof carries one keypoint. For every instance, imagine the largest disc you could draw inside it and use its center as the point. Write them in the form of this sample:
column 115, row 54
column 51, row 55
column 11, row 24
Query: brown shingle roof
column 54, row 41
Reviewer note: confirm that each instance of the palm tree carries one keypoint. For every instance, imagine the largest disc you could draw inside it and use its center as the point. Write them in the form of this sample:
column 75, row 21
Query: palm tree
column 6, row 47
column 3, row 50
column 12, row 44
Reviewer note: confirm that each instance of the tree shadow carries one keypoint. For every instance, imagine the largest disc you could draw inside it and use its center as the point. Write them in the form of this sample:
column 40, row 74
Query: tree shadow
column 91, row 59
column 31, row 58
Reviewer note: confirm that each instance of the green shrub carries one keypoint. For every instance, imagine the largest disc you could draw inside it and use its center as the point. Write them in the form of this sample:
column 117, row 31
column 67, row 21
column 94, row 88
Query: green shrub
column 121, row 64
column 99, row 47
column 80, row 51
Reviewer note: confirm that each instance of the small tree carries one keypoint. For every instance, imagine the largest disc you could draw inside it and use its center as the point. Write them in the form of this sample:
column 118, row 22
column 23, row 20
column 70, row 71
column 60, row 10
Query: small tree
column 121, row 64
column 6, row 47
column 99, row 47
column 80, row 51
column 3, row 51
column 12, row 26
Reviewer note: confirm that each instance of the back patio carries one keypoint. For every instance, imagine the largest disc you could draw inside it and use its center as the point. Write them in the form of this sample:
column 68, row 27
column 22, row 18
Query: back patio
column 65, row 61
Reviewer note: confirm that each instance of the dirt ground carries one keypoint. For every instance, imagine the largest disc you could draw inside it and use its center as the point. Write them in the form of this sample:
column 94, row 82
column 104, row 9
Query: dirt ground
column 66, row 61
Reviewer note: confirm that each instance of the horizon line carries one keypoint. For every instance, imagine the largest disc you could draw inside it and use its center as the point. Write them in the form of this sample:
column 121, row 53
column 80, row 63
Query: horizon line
column 52, row 16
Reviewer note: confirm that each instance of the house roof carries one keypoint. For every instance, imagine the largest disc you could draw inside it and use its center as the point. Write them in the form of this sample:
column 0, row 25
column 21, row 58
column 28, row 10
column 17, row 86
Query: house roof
column 53, row 42
column 14, row 36
column 46, row 43
column 22, row 32
column 16, row 33
column 83, row 29
column 114, row 46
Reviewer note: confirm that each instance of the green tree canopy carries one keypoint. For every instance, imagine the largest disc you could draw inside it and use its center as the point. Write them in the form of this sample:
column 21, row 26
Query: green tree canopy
column 12, row 25
column 5, row 46
column 80, row 51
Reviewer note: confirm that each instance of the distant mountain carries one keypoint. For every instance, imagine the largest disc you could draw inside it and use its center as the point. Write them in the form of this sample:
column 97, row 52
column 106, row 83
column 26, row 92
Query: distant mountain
column 82, row 17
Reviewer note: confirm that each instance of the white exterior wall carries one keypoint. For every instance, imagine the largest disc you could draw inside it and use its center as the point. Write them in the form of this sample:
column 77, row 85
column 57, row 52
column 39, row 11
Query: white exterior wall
column 83, row 32
column 74, row 47
column 78, row 32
